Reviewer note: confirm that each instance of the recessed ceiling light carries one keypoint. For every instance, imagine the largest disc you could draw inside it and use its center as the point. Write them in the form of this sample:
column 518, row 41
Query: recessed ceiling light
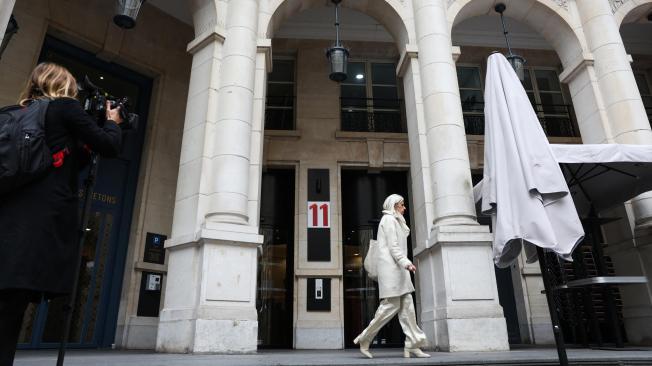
column 101, row 77
column 359, row 76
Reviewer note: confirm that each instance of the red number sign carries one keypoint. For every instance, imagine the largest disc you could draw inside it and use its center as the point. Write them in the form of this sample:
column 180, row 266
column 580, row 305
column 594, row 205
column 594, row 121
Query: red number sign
column 315, row 220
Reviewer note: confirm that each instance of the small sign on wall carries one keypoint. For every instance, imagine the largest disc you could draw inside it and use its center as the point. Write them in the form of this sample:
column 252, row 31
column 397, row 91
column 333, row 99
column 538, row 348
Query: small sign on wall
column 154, row 249
column 319, row 214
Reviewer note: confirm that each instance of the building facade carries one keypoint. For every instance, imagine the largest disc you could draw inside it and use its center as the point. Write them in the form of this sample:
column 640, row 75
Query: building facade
column 265, row 179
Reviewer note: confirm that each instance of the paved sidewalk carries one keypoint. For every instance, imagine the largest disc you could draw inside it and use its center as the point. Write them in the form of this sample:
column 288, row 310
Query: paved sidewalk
column 534, row 356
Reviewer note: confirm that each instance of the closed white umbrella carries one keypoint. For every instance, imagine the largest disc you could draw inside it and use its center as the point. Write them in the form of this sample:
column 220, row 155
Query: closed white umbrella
column 523, row 187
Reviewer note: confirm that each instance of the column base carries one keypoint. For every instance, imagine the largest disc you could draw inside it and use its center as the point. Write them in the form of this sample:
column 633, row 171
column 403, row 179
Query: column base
column 459, row 299
column 638, row 323
column 477, row 334
column 210, row 293
column 220, row 336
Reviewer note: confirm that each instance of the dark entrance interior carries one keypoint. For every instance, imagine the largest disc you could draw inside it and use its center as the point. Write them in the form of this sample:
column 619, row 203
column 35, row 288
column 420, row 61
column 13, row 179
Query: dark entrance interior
column 363, row 194
column 105, row 247
column 276, row 260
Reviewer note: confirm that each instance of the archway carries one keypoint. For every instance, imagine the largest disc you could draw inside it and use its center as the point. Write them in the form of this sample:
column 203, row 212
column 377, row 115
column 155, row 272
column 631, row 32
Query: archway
column 298, row 33
column 390, row 13
column 544, row 33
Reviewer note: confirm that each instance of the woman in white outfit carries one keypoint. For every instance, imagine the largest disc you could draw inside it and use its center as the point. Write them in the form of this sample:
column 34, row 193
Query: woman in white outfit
column 394, row 284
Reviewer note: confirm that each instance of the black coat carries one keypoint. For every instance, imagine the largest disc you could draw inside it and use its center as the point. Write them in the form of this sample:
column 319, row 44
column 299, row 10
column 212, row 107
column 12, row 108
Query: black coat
column 39, row 223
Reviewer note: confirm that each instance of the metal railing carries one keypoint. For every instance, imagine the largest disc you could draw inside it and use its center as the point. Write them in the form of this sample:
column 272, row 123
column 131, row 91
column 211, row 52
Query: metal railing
column 372, row 115
column 556, row 119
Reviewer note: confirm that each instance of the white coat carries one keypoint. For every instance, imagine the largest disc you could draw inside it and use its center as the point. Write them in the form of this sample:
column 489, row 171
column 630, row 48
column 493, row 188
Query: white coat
column 393, row 278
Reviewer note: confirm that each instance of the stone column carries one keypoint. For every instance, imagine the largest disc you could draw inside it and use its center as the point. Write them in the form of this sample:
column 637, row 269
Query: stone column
column 231, row 150
column 628, row 124
column 210, row 294
column 458, row 296
column 628, row 121
column 5, row 13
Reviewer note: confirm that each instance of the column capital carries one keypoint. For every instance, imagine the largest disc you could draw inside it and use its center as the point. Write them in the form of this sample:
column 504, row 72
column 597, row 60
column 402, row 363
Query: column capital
column 570, row 72
column 411, row 51
column 264, row 45
column 456, row 51
column 453, row 235
column 214, row 35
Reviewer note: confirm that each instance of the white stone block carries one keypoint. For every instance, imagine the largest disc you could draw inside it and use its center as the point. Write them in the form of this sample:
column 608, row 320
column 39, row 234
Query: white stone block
column 442, row 78
column 225, row 336
column 192, row 146
column 319, row 338
column 238, row 71
column 479, row 334
column 235, row 103
column 185, row 216
column 233, row 177
column 141, row 333
column 230, row 272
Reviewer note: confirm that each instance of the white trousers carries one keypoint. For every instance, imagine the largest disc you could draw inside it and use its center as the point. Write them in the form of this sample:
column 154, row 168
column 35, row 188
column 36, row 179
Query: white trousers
column 404, row 306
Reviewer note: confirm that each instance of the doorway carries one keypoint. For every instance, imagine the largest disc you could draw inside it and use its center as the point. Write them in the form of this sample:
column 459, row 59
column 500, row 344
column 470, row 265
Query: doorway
column 105, row 247
column 274, row 295
column 363, row 194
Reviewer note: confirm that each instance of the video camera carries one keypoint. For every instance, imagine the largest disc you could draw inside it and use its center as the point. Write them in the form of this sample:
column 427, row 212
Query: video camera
column 93, row 99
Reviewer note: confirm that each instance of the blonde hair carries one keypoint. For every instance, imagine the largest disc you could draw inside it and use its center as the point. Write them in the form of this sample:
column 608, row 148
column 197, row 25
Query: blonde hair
column 49, row 80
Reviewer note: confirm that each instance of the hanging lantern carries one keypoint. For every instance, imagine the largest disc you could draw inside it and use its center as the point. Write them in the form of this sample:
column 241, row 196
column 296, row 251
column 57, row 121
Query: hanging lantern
column 337, row 55
column 12, row 28
column 126, row 12
column 517, row 62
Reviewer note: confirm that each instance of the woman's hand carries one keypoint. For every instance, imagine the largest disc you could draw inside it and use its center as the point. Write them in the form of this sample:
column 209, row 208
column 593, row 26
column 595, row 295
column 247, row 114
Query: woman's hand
column 411, row 267
column 113, row 114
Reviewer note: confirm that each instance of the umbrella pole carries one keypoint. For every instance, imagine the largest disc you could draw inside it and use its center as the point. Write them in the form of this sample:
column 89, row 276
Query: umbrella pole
column 552, row 308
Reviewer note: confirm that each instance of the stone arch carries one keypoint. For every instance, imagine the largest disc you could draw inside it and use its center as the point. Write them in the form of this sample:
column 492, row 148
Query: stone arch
column 630, row 11
column 205, row 14
column 550, row 19
column 394, row 15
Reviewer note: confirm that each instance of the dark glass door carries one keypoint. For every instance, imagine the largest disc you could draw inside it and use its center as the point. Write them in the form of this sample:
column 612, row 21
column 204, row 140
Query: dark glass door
column 105, row 245
column 276, row 260
column 363, row 195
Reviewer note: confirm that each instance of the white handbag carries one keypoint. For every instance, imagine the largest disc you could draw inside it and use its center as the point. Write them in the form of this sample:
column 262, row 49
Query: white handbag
column 371, row 260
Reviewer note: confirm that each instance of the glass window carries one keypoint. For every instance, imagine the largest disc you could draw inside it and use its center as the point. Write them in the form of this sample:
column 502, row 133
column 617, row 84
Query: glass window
column 472, row 99
column 370, row 104
column 544, row 90
column 356, row 73
column 279, row 107
column 385, row 94
column 547, row 80
column 282, row 70
column 383, row 74
column 468, row 77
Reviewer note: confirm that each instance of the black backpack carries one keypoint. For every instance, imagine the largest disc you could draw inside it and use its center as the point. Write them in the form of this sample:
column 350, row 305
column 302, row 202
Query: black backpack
column 24, row 154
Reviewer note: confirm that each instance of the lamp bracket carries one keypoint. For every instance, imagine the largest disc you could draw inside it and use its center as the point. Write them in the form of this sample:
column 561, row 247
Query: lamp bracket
column 336, row 2
column 500, row 8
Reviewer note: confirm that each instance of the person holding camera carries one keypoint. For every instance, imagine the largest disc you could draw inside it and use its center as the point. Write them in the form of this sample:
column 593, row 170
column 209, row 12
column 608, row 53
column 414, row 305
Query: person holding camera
column 39, row 222
column 394, row 283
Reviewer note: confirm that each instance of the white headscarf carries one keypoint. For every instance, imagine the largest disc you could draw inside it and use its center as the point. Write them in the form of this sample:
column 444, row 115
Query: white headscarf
column 389, row 208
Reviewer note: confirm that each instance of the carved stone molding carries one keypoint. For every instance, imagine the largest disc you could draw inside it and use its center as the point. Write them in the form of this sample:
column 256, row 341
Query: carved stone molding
column 615, row 4
column 562, row 3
